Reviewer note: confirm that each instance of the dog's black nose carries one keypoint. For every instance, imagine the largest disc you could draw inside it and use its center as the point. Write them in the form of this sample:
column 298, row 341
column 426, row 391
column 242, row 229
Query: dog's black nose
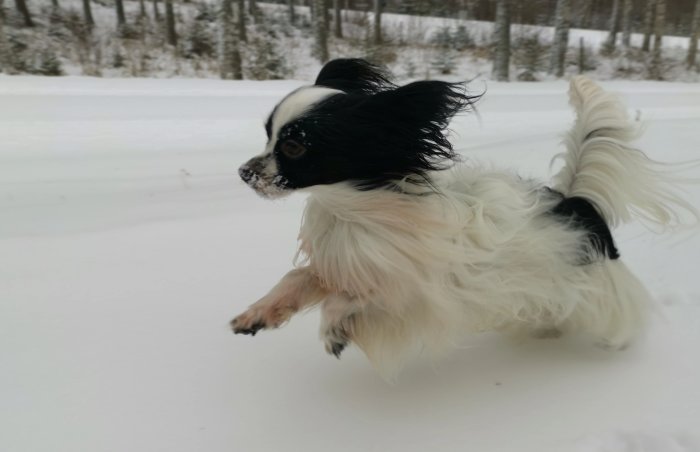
column 246, row 173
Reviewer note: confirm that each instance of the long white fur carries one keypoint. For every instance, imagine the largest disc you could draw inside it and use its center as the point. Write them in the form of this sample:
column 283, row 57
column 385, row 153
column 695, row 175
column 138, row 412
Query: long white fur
column 414, row 272
column 602, row 166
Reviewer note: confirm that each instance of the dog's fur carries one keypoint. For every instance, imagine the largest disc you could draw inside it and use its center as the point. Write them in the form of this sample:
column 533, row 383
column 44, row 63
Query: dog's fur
column 405, row 254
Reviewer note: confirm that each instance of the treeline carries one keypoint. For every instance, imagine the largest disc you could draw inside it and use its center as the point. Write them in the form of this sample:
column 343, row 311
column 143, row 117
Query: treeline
column 238, row 39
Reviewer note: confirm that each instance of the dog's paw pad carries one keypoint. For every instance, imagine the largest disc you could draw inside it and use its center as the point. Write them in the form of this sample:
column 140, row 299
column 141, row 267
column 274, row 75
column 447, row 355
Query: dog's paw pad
column 336, row 348
column 241, row 325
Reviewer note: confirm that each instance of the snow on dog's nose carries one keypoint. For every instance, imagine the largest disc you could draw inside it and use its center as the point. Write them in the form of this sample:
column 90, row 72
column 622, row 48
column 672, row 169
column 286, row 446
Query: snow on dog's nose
column 261, row 174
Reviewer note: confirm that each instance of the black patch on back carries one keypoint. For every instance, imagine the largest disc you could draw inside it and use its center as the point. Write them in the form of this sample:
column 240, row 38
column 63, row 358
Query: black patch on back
column 581, row 214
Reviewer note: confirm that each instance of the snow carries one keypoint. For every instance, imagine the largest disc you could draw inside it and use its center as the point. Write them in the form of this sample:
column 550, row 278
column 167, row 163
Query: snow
column 128, row 242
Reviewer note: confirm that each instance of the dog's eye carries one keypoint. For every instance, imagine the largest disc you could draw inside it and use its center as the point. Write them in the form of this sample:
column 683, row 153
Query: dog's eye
column 292, row 149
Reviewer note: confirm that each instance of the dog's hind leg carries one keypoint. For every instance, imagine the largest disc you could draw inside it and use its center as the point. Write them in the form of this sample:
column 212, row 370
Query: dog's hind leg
column 337, row 321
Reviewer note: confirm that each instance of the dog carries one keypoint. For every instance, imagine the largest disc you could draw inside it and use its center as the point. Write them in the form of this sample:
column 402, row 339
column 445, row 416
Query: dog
column 406, row 248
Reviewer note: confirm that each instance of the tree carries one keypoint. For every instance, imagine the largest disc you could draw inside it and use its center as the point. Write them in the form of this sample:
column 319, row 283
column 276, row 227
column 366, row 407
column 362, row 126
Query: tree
column 609, row 45
column 170, row 33
column 320, row 32
column 501, row 38
column 561, row 38
column 377, row 22
column 87, row 12
column 626, row 23
column 156, row 13
column 26, row 15
column 292, row 13
column 337, row 20
column 121, row 17
column 655, row 68
column 659, row 24
column 240, row 11
column 648, row 23
column 142, row 8
column 4, row 63
column 229, row 55
column 55, row 4
column 253, row 8
column 694, row 35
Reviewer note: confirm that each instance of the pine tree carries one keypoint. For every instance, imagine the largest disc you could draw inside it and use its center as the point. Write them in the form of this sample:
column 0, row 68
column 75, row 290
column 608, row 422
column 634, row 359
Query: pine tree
column 320, row 32
column 561, row 38
column 648, row 23
column 229, row 55
column 501, row 38
column 170, row 32
column 87, row 12
column 694, row 35
column 26, row 15
column 377, row 22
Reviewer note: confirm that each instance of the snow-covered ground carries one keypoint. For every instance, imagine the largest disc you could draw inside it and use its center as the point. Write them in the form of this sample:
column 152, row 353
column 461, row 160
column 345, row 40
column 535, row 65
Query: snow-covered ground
column 127, row 242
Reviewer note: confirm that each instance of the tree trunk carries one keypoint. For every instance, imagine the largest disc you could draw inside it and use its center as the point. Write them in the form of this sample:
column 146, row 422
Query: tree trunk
column 377, row 22
column 55, row 4
column 121, row 17
column 648, row 23
column 626, row 23
column 253, row 8
column 659, row 24
column 3, row 45
column 240, row 10
column 87, row 12
column 561, row 38
column 337, row 20
column 694, row 35
column 229, row 55
column 610, row 42
column 292, row 13
column 26, row 15
column 321, row 32
column 501, row 38
column 156, row 13
column 142, row 8
column 326, row 16
column 170, row 34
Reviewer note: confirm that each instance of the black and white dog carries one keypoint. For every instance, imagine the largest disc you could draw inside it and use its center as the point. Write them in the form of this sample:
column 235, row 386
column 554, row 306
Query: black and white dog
column 406, row 252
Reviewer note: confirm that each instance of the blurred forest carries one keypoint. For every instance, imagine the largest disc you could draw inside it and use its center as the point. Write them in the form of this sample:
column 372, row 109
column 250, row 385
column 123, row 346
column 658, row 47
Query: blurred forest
column 247, row 39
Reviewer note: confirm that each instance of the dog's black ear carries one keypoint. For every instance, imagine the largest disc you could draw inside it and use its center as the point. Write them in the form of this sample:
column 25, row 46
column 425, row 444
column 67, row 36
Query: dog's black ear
column 410, row 122
column 427, row 104
column 354, row 74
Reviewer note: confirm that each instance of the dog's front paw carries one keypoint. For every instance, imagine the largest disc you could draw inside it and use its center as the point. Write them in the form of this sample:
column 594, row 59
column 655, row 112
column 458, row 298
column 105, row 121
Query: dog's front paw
column 246, row 324
column 256, row 318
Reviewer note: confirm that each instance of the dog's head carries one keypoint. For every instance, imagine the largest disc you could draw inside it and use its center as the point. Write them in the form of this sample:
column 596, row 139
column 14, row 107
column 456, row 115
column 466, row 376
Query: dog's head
column 355, row 125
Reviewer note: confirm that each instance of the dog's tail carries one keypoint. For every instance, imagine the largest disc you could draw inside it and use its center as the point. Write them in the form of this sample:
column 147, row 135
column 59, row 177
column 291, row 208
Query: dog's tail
column 602, row 166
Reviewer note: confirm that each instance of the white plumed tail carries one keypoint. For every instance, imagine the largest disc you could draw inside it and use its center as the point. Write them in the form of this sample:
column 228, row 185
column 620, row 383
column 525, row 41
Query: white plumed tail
column 602, row 166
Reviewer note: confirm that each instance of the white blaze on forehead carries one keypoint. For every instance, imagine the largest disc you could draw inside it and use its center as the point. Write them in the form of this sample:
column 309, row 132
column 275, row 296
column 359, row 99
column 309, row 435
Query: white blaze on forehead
column 294, row 105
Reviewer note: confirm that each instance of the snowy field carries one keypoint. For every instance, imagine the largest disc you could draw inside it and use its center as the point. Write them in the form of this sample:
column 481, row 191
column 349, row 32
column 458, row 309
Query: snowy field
column 127, row 243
